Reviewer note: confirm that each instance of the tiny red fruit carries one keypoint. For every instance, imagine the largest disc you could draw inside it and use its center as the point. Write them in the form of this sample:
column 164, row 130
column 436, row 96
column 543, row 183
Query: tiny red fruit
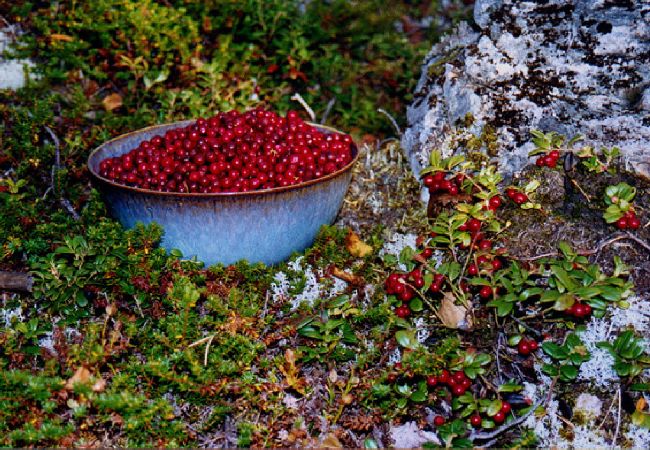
column 533, row 345
column 506, row 407
column 634, row 223
column 458, row 390
column 438, row 421
column 621, row 223
column 472, row 270
column 519, row 198
column 485, row 292
column 432, row 381
column 494, row 202
column 458, row 377
column 499, row 417
column 403, row 311
column 523, row 347
column 476, row 420
column 444, row 377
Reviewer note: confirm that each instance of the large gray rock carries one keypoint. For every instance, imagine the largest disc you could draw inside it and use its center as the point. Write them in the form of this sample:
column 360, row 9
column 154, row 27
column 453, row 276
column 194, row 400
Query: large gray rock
column 572, row 66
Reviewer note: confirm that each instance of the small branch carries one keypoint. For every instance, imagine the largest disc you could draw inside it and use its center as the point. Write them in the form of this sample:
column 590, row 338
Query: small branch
column 594, row 251
column 618, row 418
column 506, row 427
column 298, row 98
column 328, row 109
column 55, row 168
column 392, row 120
column 499, row 338
column 16, row 281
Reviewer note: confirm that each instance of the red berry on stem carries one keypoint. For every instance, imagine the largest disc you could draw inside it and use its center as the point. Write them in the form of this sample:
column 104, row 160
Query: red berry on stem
column 444, row 377
column 621, row 223
column 499, row 417
column 438, row 421
column 495, row 202
column 475, row 420
column 472, row 270
column 523, row 348
column 432, row 381
column 634, row 223
column 458, row 390
column 485, row 292
column 519, row 198
column 506, row 407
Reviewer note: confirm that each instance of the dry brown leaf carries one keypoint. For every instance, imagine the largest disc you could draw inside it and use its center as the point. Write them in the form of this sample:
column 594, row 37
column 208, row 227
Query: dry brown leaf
column 112, row 101
column 82, row 375
column 99, row 386
column 454, row 316
column 346, row 276
column 356, row 246
column 290, row 372
column 331, row 441
column 61, row 37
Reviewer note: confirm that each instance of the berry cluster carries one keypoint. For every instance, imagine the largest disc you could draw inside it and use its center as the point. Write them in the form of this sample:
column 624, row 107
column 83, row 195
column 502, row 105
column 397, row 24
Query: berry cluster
column 437, row 183
column 527, row 346
column 629, row 220
column 516, row 196
column 549, row 159
column 232, row 152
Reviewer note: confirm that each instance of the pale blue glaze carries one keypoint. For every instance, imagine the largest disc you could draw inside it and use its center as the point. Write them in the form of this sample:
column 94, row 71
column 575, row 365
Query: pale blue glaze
column 265, row 226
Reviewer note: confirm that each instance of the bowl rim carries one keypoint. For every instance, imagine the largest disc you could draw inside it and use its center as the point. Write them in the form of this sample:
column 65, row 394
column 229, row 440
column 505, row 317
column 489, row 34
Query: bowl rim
column 257, row 192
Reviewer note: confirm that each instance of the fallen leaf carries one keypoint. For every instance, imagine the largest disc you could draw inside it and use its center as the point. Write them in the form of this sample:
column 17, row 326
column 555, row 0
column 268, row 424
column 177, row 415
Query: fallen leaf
column 454, row 316
column 61, row 37
column 112, row 101
column 99, row 385
column 290, row 372
column 82, row 375
column 356, row 246
column 331, row 441
column 346, row 276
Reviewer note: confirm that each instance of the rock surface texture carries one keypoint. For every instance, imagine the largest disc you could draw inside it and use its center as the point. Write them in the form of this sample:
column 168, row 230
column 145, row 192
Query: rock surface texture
column 571, row 66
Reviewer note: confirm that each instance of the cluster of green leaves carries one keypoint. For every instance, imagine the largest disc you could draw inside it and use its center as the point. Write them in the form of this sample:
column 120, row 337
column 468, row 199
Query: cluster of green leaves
column 599, row 162
column 618, row 199
column 567, row 357
column 629, row 352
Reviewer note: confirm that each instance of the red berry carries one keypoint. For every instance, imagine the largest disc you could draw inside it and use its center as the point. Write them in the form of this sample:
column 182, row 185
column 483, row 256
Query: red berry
column 499, row 417
column 402, row 311
column 476, row 420
column 506, row 407
column 523, row 348
column 472, row 270
column 428, row 180
column 398, row 366
column 634, row 223
column 458, row 377
column 485, row 292
column 555, row 154
column 510, row 192
column 458, row 390
column 391, row 378
column 579, row 310
column 432, row 381
column 496, row 264
column 444, row 377
column 495, row 202
column 438, row 421
column 540, row 162
column 427, row 253
column 474, row 224
column 466, row 383
column 586, row 310
column 453, row 190
column 550, row 162
column 485, row 244
column 482, row 259
column 533, row 345
column 519, row 198
column 621, row 223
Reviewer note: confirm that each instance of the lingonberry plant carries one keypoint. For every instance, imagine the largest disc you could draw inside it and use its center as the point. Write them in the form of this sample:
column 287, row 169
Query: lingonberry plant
column 620, row 210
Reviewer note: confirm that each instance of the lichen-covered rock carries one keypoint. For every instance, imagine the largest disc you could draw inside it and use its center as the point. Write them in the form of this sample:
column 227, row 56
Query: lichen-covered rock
column 571, row 66
column 12, row 71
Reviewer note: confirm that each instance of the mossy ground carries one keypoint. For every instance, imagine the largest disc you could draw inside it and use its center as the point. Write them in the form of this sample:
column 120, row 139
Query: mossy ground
column 122, row 343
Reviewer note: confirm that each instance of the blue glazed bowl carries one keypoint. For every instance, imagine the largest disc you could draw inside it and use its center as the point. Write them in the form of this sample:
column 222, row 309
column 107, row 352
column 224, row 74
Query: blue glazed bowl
column 259, row 226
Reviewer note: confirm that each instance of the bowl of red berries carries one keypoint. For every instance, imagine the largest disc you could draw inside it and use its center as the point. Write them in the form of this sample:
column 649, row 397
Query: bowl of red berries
column 254, row 185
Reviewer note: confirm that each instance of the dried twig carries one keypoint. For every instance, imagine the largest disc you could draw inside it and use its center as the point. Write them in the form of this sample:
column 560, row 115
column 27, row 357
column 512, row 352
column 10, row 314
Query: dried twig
column 55, row 168
column 392, row 120
column 492, row 434
column 594, row 251
column 618, row 418
column 328, row 109
column 297, row 97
